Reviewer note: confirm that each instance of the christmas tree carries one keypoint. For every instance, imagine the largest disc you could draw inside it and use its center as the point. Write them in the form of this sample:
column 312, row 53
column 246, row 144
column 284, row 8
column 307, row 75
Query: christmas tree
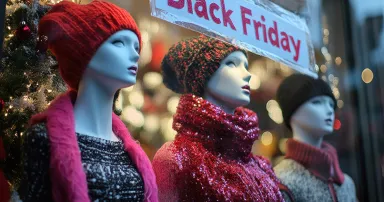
column 29, row 78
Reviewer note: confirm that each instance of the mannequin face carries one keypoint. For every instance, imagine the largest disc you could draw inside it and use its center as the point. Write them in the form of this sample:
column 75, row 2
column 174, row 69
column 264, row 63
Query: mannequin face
column 315, row 117
column 229, row 85
column 115, row 63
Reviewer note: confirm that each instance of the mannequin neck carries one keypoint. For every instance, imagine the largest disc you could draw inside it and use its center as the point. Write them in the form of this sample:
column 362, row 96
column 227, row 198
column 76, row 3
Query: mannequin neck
column 306, row 137
column 93, row 109
column 225, row 108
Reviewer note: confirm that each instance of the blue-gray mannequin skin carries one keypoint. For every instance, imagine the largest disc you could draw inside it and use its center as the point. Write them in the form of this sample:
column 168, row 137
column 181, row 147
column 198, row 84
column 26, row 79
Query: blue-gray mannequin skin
column 313, row 120
column 114, row 66
column 227, row 88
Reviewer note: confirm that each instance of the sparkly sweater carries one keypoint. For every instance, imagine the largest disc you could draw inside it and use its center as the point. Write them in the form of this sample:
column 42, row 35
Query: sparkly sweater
column 210, row 158
column 67, row 175
column 110, row 173
column 313, row 174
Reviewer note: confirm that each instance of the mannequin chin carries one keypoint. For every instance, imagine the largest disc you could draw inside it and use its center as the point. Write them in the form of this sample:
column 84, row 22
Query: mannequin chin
column 114, row 64
column 313, row 120
column 229, row 85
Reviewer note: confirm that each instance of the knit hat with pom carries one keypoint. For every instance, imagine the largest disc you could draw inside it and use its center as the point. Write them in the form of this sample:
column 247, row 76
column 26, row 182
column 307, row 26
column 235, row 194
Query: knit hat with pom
column 189, row 64
column 74, row 32
column 297, row 89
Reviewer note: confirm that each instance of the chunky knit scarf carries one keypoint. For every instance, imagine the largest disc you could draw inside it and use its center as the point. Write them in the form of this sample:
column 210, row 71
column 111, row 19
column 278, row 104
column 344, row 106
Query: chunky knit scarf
column 213, row 155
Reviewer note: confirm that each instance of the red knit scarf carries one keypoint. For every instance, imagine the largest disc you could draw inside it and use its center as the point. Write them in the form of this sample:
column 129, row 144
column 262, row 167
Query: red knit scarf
column 213, row 154
column 321, row 162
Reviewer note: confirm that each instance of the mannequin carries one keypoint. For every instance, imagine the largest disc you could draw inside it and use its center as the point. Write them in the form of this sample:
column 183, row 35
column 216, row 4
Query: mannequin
column 311, row 171
column 210, row 158
column 78, row 149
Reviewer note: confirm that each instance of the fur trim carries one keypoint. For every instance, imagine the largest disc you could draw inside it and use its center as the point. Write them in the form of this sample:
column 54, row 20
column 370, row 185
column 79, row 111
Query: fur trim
column 66, row 172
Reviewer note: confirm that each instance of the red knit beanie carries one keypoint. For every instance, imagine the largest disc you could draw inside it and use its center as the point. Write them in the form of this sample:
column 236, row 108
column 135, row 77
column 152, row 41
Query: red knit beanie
column 189, row 64
column 76, row 31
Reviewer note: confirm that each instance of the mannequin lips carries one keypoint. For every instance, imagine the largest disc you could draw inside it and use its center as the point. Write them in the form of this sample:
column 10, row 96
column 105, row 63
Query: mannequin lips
column 328, row 121
column 133, row 70
column 246, row 88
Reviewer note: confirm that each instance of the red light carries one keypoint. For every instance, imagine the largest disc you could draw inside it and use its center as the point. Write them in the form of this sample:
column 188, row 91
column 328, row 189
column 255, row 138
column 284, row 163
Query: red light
column 337, row 124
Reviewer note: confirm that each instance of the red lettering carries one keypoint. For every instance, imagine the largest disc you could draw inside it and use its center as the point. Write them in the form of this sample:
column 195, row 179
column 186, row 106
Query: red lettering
column 190, row 10
column 285, row 42
column 212, row 9
column 297, row 48
column 245, row 20
column 257, row 25
column 227, row 16
column 176, row 4
column 273, row 30
column 264, row 29
column 203, row 12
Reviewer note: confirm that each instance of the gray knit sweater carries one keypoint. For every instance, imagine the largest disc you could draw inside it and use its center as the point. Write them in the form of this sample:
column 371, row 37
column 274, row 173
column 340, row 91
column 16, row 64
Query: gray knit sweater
column 305, row 187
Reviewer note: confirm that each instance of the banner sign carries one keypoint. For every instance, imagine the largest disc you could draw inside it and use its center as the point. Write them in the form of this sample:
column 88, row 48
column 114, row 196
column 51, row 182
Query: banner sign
column 259, row 26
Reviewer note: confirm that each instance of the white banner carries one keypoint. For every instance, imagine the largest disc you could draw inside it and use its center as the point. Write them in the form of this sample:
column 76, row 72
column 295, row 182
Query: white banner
column 259, row 26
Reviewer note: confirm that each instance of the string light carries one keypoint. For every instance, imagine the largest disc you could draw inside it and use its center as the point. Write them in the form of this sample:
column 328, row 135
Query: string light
column 367, row 75
column 323, row 68
column 152, row 80
column 283, row 145
column 172, row 104
column 326, row 32
column 338, row 61
column 340, row 104
column 266, row 138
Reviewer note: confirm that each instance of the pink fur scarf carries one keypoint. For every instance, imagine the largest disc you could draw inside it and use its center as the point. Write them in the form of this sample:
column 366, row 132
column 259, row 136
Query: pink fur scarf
column 66, row 172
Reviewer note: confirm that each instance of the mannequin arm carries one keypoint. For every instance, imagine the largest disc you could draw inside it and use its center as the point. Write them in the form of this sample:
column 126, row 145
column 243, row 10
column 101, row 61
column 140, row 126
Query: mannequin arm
column 35, row 182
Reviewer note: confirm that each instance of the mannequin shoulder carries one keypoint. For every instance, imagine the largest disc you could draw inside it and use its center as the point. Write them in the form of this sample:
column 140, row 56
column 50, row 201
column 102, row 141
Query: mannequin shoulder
column 289, row 166
column 291, row 173
column 349, row 184
column 164, row 154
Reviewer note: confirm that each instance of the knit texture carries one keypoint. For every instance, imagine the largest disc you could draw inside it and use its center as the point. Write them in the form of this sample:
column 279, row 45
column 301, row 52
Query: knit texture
column 296, row 89
column 314, row 174
column 76, row 31
column 189, row 64
column 67, row 175
column 111, row 174
column 210, row 158
column 306, row 187
column 321, row 162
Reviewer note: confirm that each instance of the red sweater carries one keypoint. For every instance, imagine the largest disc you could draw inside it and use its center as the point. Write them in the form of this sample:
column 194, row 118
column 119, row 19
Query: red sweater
column 210, row 159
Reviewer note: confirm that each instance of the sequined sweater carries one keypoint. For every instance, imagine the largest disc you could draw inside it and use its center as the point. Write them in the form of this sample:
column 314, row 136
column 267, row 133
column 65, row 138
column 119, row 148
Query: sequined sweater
column 210, row 158
column 110, row 173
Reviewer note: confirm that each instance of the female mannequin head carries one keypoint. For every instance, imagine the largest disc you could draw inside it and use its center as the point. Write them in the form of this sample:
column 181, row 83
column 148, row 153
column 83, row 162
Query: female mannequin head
column 308, row 107
column 99, row 41
column 208, row 68
column 114, row 64
column 97, row 47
